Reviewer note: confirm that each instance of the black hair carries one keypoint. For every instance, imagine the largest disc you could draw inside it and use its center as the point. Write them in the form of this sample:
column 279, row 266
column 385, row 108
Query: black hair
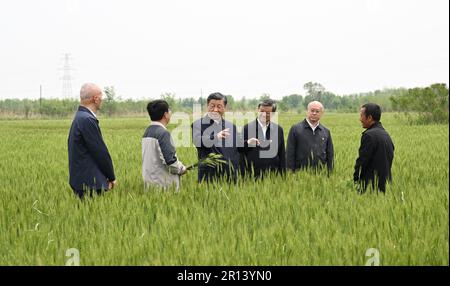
column 268, row 102
column 217, row 96
column 372, row 109
column 157, row 108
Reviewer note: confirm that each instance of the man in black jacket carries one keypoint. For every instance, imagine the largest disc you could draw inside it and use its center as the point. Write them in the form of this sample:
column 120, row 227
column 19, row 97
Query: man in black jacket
column 376, row 152
column 309, row 142
column 263, row 143
column 213, row 134
column 90, row 165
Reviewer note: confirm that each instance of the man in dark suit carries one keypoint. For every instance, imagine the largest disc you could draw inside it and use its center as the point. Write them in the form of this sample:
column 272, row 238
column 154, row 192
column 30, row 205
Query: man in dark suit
column 90, row 165
column 376, row 152
column 213, row 134
column 309, row 142
column 264, row 149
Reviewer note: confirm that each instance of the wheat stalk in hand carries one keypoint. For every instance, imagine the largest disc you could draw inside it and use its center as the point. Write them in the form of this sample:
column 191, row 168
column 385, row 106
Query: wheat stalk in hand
column 212, row 160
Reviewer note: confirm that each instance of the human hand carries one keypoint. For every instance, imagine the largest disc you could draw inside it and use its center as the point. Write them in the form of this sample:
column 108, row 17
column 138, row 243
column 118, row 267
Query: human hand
column 253, row 141
column 224, row 133
column 112, row 184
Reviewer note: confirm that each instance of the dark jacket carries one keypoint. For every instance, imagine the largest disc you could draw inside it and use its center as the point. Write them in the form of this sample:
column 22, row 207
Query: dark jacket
column 204, row 136
column 306, row 148
column 376, row 154
column 90, row 165
column 268, row 156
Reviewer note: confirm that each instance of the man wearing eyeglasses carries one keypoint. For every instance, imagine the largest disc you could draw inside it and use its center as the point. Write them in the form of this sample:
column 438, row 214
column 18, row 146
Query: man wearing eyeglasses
column 213, row 134
column 309, row 143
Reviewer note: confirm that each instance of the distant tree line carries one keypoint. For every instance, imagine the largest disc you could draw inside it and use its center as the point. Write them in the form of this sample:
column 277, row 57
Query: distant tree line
column 420, row 105
column 424, row 105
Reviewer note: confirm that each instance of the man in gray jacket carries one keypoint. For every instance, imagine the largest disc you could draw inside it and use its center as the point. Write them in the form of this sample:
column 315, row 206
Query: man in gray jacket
column 309, row 143
column 160, row 165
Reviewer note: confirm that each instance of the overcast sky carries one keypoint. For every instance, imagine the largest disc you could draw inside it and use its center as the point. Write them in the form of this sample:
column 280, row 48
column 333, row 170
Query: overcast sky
column 237, row 47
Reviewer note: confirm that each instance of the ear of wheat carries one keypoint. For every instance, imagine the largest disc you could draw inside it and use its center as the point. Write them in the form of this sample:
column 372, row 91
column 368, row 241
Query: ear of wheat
column 212, row 160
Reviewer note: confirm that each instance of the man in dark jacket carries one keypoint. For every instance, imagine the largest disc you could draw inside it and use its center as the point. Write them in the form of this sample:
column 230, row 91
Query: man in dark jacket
column 90, row 165
column 376, row 152
column 264, row 149
column 213, row 134
column 309, row 142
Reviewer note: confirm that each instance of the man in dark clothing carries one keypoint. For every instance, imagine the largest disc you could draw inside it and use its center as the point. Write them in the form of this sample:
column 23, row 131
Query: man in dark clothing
column 213, row 134
column 309, row 142
column 376, row 152
column 90, row 165
column 263, row 144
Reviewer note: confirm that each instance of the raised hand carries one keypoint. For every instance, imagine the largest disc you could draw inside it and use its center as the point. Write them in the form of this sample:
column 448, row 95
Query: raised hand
column 224, row 133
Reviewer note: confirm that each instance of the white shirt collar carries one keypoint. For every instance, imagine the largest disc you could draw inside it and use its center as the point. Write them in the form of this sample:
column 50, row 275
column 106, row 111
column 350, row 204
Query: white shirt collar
column 313, row 127
column 216, row 121
column 263, row 126
column 158, row 124
column 91, row 111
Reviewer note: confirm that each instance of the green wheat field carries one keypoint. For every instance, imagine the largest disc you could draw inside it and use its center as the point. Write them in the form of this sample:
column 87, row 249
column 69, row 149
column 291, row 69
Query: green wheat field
column 304, row 219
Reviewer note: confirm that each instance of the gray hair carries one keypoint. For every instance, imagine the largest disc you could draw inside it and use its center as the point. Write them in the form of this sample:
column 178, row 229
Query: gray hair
column 315, row 102
column 88, row 90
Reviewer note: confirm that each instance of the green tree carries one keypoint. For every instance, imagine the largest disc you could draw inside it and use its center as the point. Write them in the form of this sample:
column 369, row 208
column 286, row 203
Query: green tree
column 170, row 98
column 430, row 103
column 316, row 92
column 230, row 102
column 264, row 96
column 291, row 102
column 187, row 103
column 313, row 90
column 110, row 103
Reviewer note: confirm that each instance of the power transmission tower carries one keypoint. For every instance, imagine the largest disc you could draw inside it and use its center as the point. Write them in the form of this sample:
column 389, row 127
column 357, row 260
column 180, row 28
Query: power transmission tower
column 67, row 77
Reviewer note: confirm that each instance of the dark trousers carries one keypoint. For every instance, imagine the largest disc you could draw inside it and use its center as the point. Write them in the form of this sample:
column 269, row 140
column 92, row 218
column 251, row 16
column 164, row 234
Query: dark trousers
column 373, row 185
column 82, row 193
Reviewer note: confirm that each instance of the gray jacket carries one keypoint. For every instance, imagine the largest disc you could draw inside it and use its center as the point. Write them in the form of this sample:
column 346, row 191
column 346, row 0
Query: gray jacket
column 308, row 148
column 160, row 165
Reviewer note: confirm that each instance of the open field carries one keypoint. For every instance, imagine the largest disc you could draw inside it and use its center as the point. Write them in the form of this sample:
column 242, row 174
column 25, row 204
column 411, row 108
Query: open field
column 305, row 219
